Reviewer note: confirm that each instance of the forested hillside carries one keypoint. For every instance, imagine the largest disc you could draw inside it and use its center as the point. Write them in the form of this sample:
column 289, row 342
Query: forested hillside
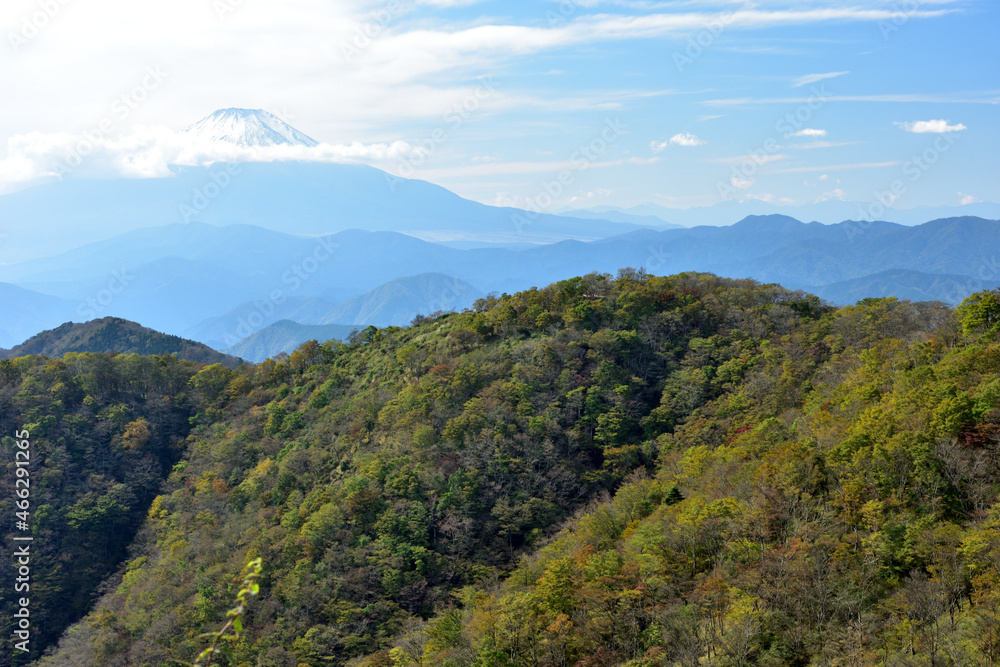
column 104, row 431
column 645, row 471
column 114, row 335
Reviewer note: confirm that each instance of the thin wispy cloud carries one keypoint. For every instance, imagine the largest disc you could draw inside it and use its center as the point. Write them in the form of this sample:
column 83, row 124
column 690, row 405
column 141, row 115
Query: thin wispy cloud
column 809, row 132
column 520, row 168
column 984, row 97
column 813, row 78
column 758, row 159
column 821, row 144
column 391, row 58
column 838, row 167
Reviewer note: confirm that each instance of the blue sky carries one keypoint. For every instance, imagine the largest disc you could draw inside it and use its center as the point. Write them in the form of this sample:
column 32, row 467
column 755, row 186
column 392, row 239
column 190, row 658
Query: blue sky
column 680, row 103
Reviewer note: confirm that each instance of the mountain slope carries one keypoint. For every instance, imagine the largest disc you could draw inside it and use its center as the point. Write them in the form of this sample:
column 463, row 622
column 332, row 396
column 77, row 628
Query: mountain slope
column 285, row 336
column 641, row 472
column 378, row 479
column 102, row 433
column 115, row 336
column 397, row 302
column 754, row 540
column 247, row 128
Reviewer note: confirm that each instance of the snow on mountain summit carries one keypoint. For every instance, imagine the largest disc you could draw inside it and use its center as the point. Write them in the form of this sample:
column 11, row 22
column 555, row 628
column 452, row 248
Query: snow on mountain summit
column 248, row 128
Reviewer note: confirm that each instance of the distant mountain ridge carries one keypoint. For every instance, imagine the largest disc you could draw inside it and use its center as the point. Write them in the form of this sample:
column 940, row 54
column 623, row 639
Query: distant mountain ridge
column 286, row 336
column 116, row 336
column 221, row 284
column 398, row 301
column 24, row 313
column 903, row 284
column 299, row 198
column 830, row 211
column 228, row 329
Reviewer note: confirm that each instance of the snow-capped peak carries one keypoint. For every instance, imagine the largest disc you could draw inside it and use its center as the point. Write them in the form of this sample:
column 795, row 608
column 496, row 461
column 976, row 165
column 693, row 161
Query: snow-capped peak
column 248, row 128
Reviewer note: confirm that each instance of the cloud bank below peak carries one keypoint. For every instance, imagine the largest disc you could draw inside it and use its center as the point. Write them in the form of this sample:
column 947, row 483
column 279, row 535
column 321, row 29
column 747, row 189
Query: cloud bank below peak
column 149, row 152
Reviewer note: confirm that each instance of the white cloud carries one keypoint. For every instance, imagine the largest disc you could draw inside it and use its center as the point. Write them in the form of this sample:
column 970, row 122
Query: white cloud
column 507, row 200
column 813, row 78
column 771, row 199
column 968, row 199
column 295, row 52
column 740, row 183
column 931, row 126
column 405, row 55
column 684, row 139
column 810, row 132
column 837, row 195
column 148, row 152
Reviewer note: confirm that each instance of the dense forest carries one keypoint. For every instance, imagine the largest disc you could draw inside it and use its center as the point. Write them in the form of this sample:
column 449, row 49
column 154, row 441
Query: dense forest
column 634, row 471
column 104, row 431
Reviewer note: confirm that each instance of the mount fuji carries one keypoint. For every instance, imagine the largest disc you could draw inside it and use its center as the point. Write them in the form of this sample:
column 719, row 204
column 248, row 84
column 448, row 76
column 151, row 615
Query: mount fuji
column 296, row 196
column 248, row 128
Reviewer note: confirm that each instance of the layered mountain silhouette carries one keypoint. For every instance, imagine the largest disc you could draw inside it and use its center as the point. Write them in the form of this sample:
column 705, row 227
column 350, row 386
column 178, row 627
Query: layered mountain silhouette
column 220, row 253
column 221, row 284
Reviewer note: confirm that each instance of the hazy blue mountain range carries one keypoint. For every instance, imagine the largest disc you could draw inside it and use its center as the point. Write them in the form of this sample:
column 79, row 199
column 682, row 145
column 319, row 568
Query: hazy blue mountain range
column 829, row 212
column 305, row 198
column 206, row 282
column 24, row 313
column 903, row 284
column 117, row 336
column 229, row 328
column 400, row 300
column 395, row 303
column 285, row 336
